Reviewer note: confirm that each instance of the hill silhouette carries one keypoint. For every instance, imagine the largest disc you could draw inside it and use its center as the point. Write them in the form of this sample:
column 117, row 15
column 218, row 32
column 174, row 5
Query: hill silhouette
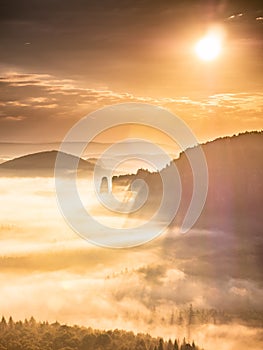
column 40, row 164
column 235, row 190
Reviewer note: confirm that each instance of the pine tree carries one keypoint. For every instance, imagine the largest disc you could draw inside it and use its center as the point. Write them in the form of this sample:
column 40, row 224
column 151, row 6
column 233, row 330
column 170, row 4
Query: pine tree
column 32, row 322
column 176, row 345
column 160, row 345
column 172, row 319
column 10, row 322
column 170, row 345
column 180, row 319
column 190, row 315
column 3, row 324
column 183, row 346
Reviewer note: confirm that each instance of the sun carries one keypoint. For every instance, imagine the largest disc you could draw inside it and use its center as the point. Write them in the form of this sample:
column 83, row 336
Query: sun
column 209, row 47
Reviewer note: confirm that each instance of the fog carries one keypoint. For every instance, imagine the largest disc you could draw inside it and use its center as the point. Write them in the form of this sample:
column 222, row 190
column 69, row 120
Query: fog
column 50, row 272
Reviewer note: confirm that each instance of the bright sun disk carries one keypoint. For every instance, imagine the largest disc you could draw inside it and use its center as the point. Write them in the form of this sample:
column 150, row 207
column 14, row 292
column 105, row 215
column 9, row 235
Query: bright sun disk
column 209, row 47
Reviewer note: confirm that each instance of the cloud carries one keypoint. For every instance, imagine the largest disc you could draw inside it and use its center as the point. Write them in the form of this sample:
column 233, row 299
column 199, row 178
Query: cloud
column 47, row 107
column 54, row 86
column 235, row 16
column 15, row 118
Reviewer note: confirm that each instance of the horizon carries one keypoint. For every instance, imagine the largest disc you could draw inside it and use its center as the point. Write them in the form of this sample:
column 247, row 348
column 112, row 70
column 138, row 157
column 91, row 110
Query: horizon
column 131, row 168
column 134, row 166
column 208, row 140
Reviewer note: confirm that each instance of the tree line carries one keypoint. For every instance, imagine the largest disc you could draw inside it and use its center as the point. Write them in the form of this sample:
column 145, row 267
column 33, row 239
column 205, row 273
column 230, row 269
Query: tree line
column 33, row 335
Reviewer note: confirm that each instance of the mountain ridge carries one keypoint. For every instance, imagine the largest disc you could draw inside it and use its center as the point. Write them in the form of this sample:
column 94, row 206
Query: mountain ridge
column 41, row 164
column 235, row 189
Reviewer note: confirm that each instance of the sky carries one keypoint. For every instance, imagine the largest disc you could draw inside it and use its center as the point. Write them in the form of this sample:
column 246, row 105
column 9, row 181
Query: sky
column 61, row 60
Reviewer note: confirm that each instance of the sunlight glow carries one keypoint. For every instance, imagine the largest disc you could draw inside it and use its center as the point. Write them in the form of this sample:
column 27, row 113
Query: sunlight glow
column 209, row 47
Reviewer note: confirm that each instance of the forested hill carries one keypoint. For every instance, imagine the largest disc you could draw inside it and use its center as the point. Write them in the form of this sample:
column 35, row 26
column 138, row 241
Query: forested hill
column 235, row 190
column 32, row 335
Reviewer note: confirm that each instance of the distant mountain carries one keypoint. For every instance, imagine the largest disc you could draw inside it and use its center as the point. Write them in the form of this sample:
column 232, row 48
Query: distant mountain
column 39, row 164
column 235, row 192
column 94, row 149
